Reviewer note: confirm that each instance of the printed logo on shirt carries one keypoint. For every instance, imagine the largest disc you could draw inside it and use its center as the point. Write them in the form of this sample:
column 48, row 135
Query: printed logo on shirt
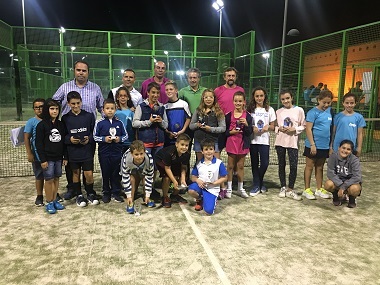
column 55, row 136
column 329, row 119
column 342, row 169
column 352, row 125
column 80, row 130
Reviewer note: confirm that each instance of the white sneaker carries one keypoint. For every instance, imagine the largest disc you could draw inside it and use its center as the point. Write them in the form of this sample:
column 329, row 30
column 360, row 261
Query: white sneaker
column 282, row 192
column 308, row 194
column 294, row 195
column 242, row 193
column 228, row 194
column 323, row 193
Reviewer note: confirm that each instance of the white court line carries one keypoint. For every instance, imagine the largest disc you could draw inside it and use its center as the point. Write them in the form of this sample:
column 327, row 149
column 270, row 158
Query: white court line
column 214, row 260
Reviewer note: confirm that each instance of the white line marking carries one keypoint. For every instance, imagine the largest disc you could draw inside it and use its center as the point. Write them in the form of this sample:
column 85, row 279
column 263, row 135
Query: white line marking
column 214, row 260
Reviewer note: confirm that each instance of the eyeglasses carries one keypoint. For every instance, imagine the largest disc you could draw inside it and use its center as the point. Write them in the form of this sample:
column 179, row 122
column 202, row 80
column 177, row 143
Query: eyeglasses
column 38, row 107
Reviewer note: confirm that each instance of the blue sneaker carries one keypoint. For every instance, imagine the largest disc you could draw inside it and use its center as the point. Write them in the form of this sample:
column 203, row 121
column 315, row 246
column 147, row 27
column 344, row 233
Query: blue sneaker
column 255, row 191
column 58, row 206
column 130, row 208
column 263, row 189
column 50, row 208
column 150, row 204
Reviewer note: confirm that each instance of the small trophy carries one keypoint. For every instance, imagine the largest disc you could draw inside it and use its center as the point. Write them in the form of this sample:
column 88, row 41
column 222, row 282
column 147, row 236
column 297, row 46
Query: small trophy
column 238, row 126
column 287, row 122
column 137, row 209
column 113, row 133
column 260, row 125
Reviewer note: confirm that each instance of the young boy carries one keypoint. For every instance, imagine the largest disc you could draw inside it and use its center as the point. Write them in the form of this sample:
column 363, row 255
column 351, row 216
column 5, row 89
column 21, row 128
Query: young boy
column 178, row 113
column 207, row 176
column 137, row 164
column 110, row 134
column 344, row 174
column 80, row 147
column 30, row 146
column 51, row 150
column 171, row 162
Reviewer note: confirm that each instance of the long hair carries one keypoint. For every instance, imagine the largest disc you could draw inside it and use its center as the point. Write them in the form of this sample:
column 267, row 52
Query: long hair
column 252, row 105
column 201, row 109
column 45, row 110
column 129, row 100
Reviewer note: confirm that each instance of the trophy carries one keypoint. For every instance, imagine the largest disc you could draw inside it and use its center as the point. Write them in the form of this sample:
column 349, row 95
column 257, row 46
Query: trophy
column 201, row 121
column 260, row 125
column 113, row 133
column 287, row 122
column 156, row 109
column 238, row 126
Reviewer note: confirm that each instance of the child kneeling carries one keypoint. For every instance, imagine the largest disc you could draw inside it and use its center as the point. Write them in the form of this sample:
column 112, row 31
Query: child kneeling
column 207, row 175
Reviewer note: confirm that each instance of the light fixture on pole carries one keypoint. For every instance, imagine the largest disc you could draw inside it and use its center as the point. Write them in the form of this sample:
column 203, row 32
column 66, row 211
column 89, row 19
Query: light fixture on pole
column 292, row 32
column 218, row 5
column 266, row 56
column 23, row 21
column 179, row 37
column 167, row 59
column 72, row 58
column 61, row 31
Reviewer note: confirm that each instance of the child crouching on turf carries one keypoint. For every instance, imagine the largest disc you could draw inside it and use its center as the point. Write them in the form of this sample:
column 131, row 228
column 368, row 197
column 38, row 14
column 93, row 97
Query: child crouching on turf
column 172, row 163
column 137, row 164
column 207, row 176
column 344, row 174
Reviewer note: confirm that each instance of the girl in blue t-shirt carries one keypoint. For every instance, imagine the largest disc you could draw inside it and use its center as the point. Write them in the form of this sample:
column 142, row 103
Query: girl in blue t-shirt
column 317, row 144
column 125, row 114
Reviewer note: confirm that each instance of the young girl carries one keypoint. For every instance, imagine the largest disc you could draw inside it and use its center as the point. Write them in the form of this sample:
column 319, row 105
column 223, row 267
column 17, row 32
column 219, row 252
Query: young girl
column 124, row 113
column 207, row 122
column 349, row 125
column 344, row 174
column 290, row 124
column 238, row 132
column 317, row 144
column 263, row 117
column 50, row 134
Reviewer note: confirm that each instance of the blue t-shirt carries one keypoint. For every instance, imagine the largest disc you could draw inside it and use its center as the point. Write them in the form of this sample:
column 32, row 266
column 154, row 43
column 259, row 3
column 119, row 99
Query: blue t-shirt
column 322, row 121
column 30, row 128
column 347, row 128
column 126, row 116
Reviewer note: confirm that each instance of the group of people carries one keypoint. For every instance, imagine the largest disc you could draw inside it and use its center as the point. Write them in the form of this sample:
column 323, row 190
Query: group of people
column 140, row 134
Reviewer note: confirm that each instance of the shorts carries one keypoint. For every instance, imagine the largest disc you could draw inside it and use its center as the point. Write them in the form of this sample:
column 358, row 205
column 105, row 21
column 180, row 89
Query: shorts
column 54, row 170
column 197, row 147
column 321, row 153
column 37, row 170
column 161, row 168
column 209, row 200
column 85, row 165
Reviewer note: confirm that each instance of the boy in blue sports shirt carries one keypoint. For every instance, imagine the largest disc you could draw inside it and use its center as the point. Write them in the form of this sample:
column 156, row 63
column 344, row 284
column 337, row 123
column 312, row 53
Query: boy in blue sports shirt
column 207, row 175
column 110, row 133
column 30, row 146
column 80, row 147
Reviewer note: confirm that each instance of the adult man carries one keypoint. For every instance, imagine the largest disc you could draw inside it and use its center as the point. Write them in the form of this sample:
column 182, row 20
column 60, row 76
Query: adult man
column 192, row 93
column 357, row 91
column 225, row 93
column 315, row 93
column 158, row 77
column 92, row 100
column 129, row 78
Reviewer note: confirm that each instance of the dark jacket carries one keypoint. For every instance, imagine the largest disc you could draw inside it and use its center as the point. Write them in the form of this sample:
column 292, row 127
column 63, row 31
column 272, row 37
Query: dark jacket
column 247, row 132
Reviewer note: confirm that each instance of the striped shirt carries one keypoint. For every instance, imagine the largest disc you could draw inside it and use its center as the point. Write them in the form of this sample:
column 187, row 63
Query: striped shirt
column 91, row 94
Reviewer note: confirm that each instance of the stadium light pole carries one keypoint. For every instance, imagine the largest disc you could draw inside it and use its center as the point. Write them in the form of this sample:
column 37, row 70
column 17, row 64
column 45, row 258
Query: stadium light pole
column 292, row 32
column 72, row 57
column 23, row 21
column 167, row 59
column 218, row 5
column 179, row 37
column 266, row 56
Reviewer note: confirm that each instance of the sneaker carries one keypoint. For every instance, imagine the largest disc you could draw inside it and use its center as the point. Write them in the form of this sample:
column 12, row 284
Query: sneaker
column 106, row 198
column 336, row 200
column 118, row 198
column 166, row 202
column 263, row 189
column 198, row 205
column 177, row 199
column 294, row 195
column 150, row 204
column 50, row 208
column 39, row 201
column 155, row 196
column 255, row 191
column 282, row 192
column 308, row 194
column 130, row 208
column 92, row 199
column 70, row 194
column 58, row 205
column 323, row 193
column 228, row 194
column 59, row 198
column 222, row 194
column 182, row 189
column 351, row 202
column 81, row 201
column 242, row 193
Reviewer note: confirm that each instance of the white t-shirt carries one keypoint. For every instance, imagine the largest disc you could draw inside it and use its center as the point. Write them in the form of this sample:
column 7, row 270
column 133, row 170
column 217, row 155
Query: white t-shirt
column 262, row 118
